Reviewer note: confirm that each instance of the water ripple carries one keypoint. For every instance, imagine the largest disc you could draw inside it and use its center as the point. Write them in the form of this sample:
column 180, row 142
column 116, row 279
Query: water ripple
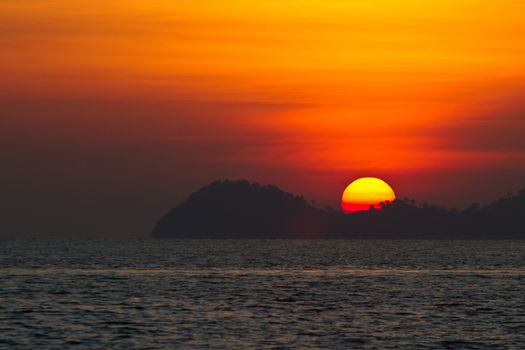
column 260, row 294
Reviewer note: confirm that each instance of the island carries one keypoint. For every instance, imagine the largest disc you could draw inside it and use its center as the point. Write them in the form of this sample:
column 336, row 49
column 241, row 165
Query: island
column 227, row 209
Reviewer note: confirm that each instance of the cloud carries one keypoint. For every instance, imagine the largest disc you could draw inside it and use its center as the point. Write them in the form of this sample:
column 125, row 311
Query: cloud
column 496, row 127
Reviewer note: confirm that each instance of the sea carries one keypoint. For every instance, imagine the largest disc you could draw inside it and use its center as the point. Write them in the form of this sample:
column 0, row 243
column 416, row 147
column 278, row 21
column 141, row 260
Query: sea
column 262, row 294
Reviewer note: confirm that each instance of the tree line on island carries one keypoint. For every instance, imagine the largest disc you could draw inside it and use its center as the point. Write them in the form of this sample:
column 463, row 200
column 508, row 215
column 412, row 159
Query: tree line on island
column 240, row 209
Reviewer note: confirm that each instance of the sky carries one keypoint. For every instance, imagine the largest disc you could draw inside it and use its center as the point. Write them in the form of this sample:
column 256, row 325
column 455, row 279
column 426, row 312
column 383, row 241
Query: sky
column 113, row 112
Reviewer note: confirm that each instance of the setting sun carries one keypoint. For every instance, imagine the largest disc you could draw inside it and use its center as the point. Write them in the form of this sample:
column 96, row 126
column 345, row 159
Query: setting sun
column 365, row 192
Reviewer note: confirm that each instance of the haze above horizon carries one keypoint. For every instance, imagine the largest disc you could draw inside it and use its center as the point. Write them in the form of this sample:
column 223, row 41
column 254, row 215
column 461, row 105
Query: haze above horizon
column 110, row 113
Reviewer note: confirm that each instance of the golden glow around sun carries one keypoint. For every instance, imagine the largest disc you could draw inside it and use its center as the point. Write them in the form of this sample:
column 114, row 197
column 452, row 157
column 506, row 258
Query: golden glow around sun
column 366, row 192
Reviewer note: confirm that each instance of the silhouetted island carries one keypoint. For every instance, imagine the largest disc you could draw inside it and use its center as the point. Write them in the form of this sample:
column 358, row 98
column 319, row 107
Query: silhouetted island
column 240, row 209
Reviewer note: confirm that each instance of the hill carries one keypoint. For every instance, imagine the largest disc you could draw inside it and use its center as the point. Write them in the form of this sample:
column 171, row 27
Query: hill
column 240, row 209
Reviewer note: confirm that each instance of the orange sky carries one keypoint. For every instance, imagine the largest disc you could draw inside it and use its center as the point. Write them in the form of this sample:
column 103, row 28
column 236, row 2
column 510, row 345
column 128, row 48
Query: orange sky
column 304, row 94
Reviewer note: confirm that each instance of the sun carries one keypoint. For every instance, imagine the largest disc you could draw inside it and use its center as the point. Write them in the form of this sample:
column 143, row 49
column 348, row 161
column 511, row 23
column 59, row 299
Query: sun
column 365, row 192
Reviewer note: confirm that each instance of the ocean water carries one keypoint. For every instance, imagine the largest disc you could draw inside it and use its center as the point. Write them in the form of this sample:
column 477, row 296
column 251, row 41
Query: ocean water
column 250, row 294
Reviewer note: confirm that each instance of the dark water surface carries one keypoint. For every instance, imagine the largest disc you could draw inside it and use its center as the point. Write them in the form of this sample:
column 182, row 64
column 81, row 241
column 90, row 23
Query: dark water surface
column 262, row 294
